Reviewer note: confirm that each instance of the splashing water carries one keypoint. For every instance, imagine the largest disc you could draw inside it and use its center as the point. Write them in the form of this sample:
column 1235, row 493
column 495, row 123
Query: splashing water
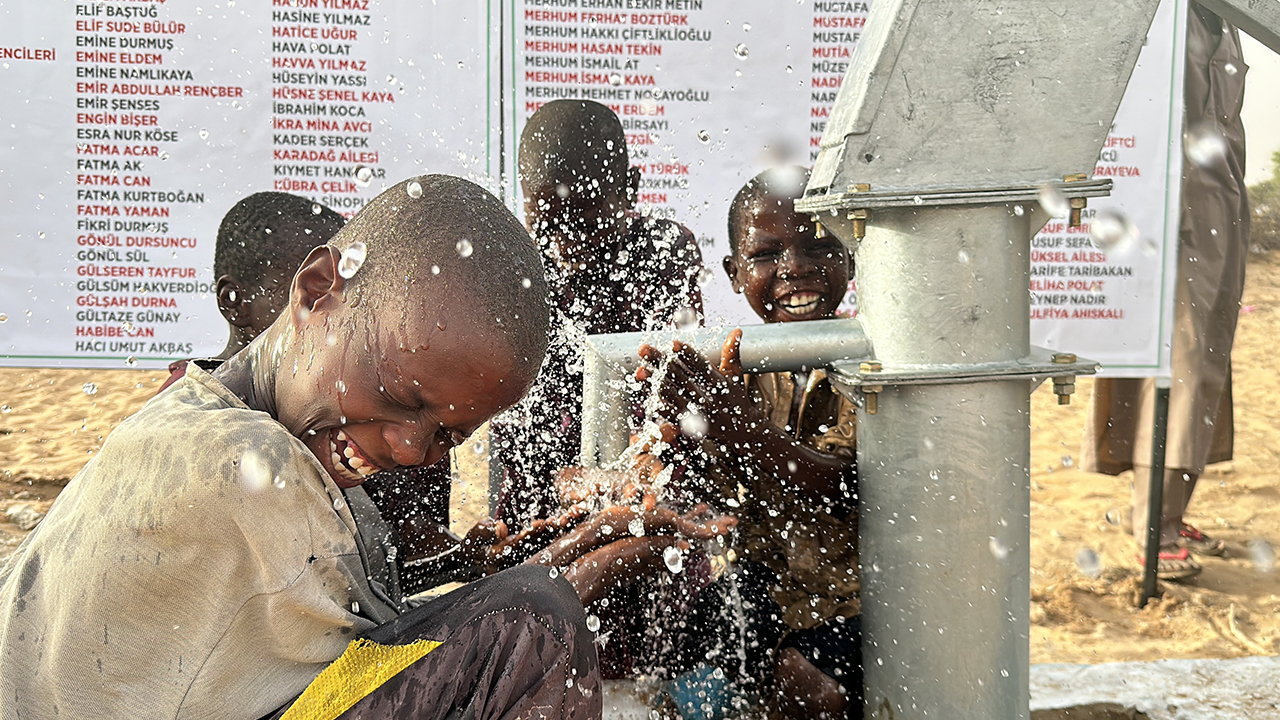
column 1262, row 555
column 686, row 318
column 1088, row 562
column 593, row 623
column 999, row 550
column 674, row 559
column 1053, row 201
column 636, row 527
column 414, row 188
column 741, row 51
column 705, row 275
column 1204, row 145
column 254, row 471
column 694, row 424
column 352, row 259
column 90, row 389
column 1112, row 230
column 464, row 248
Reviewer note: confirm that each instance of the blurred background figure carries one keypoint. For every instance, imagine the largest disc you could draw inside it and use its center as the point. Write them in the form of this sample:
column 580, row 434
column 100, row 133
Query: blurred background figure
column 1213, row 241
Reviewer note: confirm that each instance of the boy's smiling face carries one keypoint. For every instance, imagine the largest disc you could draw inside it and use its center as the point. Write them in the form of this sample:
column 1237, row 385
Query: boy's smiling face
column 785, row 271
column 369, row 390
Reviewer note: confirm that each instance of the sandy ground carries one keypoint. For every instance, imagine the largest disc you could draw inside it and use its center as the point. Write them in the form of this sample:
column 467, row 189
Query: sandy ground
column 50, row 424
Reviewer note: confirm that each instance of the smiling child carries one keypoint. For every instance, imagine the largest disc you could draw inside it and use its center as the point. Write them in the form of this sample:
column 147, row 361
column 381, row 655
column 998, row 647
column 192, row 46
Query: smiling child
column 787, row 439
column 217, row 555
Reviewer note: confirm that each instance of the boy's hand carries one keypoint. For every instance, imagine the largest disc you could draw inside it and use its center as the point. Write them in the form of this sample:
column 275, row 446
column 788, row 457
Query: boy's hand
column 718, row 394
column 604, row 551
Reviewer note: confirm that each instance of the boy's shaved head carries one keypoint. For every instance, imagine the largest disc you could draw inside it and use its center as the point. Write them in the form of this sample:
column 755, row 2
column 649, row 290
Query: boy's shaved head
column 778, row 187
column 569, row 141
column 270, row 231
column 453, row 242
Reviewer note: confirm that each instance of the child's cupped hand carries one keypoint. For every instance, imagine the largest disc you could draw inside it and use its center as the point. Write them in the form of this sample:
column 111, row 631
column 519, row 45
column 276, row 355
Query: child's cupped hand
column 620, row 544
column 691, row 384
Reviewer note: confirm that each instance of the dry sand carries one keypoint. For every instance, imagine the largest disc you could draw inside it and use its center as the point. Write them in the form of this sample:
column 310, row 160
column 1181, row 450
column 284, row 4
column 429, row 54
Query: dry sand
column 50, row 426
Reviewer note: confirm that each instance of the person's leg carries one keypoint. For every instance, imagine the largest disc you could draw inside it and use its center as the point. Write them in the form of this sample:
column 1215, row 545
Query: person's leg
column 513, row 645
column 1178, row 486
column 819, row 670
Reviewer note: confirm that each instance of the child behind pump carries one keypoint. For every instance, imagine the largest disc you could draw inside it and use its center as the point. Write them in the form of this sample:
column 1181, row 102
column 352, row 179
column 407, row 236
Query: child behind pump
column 782, row 453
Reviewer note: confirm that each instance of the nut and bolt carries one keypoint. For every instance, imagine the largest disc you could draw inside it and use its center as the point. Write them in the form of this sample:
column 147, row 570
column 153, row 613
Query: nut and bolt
column 859, row 218
column 1077, row 205
column 870, row 366
column 1063, row 358
column 871, row 393
column 818, row 230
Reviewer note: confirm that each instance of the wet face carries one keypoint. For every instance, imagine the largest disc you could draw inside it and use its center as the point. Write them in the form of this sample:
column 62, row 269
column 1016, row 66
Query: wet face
column 785, row 271
column 571, row 220
column 394, row 385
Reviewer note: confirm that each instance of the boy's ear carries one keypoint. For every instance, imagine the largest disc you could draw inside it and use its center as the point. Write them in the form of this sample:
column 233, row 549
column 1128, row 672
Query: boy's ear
column 316, row 284
column 232, row 301
column 731, row 269
column 633, row 186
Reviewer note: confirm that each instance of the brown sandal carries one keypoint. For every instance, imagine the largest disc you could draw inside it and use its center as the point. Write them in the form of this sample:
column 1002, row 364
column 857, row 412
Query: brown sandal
column 1199, row 543
column 1174, row 564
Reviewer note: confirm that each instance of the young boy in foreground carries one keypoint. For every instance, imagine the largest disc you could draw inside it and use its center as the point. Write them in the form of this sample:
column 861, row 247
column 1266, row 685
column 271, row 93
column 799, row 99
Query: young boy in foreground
column 788, row 439
column 217, row 554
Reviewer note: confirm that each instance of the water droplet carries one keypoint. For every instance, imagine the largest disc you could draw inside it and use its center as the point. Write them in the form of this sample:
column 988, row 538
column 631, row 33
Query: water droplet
column 90, row 389
column 615, row 79
column 526, row 283
column 741, row 51
column 40, row 234
column 355, row 607
column 705, row 276
column 1230, row 68
column 4, row 318
column 254, row 472
column 316, row 208
column 464, row 248
column 686, row 318
column 204, row 134
column 917, row 200
column 1019, row 210
column 278, row 482
column 1068, row 461
column 364, row 175
column 461, row 65
column 999, row 550
column 131, row 361
column 391, row 79
column 673, row 558
column 562, row 191
column 1150, row 247
column 963, row 257
column 352, row 259
column 704, row 137
column 789, row 69
column 593, row 623
column 554, row 572
column 694, row 424
column 414, row 188
column 1262, row 555
column 164, row 155
column 1204, row 144
column 636, row 527
column 5, row 409
column 1088, row 562
column 337, row 503
column 1112, row 230
column 1115, row 516
column 746, row 27
column 1053, row 201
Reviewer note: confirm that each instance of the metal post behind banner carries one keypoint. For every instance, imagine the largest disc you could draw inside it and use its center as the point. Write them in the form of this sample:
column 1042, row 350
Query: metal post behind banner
column 1155, row 493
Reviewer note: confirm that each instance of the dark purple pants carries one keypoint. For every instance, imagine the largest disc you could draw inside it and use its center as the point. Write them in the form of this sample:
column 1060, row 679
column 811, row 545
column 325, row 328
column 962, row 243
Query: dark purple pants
column 514, row 645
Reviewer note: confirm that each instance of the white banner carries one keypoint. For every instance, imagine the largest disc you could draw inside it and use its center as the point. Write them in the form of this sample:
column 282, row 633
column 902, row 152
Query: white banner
column 1116, row 306
column 132, row 127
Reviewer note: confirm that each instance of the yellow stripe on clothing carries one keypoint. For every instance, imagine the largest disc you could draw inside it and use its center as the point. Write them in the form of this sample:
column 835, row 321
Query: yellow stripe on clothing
column 362, row 668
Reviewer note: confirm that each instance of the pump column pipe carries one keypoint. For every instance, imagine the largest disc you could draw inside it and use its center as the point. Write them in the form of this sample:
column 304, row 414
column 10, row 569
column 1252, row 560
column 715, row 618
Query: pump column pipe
column 609, row 359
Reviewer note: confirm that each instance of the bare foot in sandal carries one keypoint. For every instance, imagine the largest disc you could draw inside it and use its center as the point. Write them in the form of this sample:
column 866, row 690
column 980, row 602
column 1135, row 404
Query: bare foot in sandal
column 1199, row 543
column 1175, row 563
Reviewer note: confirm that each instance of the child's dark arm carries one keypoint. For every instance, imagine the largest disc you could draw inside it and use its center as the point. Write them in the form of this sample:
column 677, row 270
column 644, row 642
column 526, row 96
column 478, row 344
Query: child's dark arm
column 733, row 420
